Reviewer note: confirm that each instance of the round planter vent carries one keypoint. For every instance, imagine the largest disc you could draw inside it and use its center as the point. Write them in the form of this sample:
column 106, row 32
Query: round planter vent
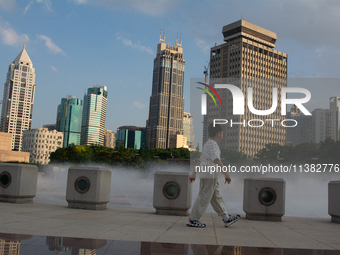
column 267, row 196
column 82, row 184
column 171, row 190
column 5, row 179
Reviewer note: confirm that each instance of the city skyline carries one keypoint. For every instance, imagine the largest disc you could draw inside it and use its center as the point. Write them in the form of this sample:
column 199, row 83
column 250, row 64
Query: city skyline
column 72, row 52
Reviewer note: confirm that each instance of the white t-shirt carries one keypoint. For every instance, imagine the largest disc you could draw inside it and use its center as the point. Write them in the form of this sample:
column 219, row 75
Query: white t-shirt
column 210, row 152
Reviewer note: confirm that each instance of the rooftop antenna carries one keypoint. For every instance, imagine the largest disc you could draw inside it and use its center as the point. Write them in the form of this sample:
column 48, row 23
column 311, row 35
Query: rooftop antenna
column 180, row 40
column 160, row 36
column 205, row 72
column 25, row 41
column 85, row 91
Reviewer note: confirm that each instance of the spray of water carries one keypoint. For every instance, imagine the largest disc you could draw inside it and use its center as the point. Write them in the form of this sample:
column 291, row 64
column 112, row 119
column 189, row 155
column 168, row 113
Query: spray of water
column 306, row 193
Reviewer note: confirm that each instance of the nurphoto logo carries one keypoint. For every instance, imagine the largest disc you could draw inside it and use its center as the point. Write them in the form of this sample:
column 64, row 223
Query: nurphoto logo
column 239, row 108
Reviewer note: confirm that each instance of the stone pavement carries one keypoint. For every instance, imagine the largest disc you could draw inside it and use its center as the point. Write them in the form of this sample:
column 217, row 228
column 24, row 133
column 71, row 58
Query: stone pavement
column 133, row 224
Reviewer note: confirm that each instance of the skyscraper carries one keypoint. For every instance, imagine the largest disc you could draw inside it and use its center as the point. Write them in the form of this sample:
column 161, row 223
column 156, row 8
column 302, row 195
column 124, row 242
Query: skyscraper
column 166, row 101
column 301, row 133
column 110, row 138
column 131, row 137
column 248, row 59
column 69, row 118
column 188, row 129
column 333, row 119
column 94, row 116
column 18, row 98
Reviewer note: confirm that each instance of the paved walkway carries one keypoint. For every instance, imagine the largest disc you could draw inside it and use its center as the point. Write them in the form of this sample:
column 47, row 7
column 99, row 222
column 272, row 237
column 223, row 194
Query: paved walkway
column 132, row 224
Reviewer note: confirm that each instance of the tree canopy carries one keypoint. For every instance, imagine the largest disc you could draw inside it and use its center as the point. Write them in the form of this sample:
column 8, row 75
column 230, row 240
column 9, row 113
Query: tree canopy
column 121, row 156
column 326, row 152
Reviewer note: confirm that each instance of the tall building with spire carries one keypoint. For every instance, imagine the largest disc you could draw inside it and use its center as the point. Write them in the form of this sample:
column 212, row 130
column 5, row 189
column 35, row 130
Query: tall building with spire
column 94, row 116
column 166, row 101
column 18, row 98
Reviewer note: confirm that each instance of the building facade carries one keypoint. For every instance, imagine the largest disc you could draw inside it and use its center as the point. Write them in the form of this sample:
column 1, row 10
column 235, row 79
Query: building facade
column 6, row 153
column 188, row 129
column 248, row 59
column 40, row 143
column 324, row 123
column 18, row 99
column 166, row 101
column 333, row 119
column 50, row 126
column 110, row 138
column 181, row 141
column 94, row 116
column 302, row 132
column 131, row 137
column 69, row 116
column 9, row 247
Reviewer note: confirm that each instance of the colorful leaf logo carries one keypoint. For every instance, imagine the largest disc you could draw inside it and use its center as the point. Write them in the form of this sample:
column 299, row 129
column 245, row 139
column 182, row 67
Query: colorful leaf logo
column 212, row 89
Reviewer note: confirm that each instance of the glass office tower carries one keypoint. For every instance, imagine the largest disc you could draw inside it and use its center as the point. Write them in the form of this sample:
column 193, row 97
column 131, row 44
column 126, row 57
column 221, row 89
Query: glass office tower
column 69, row 119
column 94, row 116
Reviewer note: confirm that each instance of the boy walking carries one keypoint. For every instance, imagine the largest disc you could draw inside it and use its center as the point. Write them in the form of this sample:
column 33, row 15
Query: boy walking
column 209, row 186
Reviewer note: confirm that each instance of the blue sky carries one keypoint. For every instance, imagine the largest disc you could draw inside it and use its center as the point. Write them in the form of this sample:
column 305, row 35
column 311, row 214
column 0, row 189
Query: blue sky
column 75, row 44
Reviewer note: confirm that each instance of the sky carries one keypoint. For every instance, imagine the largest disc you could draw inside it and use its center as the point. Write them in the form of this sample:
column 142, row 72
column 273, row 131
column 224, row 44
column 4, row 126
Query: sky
column 75, row 44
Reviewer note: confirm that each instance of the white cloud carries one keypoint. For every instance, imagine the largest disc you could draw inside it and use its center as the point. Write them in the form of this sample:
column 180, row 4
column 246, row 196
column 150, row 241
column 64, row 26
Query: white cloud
column 28, row 7
column 51, row 46
column 11, row 37
column 138, row 105
column 54, row 69
column 129, row 43
column 47, row 4
column 203, row 45
column 80, row 1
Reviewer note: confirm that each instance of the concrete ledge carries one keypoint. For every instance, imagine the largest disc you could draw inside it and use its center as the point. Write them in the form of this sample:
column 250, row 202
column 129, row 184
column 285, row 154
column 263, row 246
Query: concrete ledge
column 18, row 183
column 264, row 198
column 335, row 219
column 334, row 201
column 172, row 193
column 172, row 212
column 88, row 187
column 81, row 205
column 263, row 217
column 16, row 200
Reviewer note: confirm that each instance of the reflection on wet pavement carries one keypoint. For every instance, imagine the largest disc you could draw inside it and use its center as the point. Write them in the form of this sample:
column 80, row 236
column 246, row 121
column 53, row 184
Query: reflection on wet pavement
column 28, row 244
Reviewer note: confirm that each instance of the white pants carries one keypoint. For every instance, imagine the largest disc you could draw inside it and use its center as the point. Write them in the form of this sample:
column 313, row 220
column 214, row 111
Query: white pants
column 209, row 193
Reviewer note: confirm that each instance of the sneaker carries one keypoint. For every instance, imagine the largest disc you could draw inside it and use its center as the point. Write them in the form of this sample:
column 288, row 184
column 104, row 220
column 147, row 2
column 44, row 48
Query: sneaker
column 232, row 220
column 195, row 224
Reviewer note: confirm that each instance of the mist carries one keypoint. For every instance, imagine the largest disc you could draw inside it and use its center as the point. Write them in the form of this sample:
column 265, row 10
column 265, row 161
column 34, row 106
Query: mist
column 306, row 193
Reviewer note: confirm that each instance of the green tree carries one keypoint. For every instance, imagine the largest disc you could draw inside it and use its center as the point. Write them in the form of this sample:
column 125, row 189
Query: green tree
column 232, row 157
